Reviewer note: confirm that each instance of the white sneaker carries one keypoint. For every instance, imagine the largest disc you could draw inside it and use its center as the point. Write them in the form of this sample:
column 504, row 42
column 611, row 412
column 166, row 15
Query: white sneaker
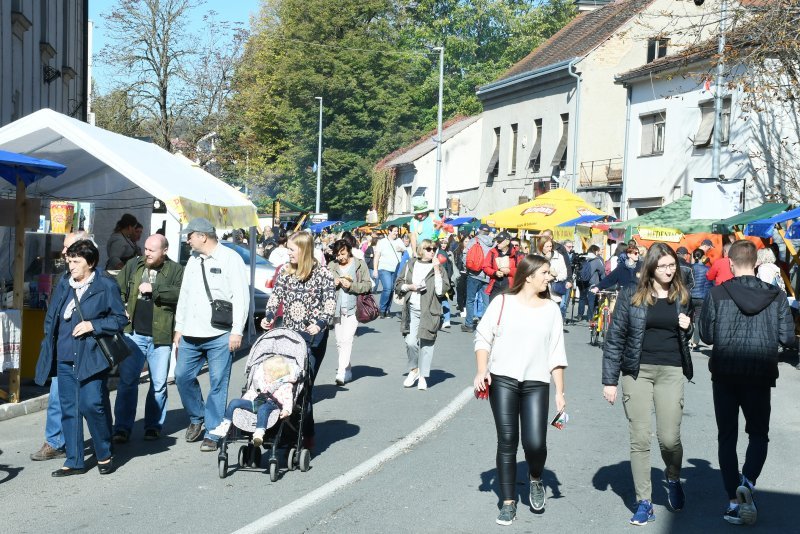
column 222, row 430
column 463, row 313
column 258, row 437
column 342, row 379
column 422, row 385
column 412, row 377
column 446, row 324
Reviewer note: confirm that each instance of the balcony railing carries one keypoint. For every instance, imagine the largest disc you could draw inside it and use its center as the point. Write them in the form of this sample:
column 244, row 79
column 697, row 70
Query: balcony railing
column 601, row 173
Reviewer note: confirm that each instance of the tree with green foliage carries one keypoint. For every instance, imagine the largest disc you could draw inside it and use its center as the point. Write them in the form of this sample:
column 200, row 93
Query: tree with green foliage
column 371, row 62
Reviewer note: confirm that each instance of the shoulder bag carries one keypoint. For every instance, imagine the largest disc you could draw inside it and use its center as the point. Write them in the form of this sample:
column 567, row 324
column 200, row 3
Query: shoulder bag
column 114, row 347
column 495, row 332
column 221, row 310
column 366, row 308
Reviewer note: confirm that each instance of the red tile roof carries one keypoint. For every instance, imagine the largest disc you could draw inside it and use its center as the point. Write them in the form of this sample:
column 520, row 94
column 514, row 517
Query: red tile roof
column 580, row 36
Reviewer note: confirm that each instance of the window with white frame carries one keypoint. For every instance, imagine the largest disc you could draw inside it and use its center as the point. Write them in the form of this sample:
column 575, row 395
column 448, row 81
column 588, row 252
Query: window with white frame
column 656, row 48
column 512, row 151
column 706, row 129
column 560, row 156
column 653, row 132
column 494, row 162
column 535, row 159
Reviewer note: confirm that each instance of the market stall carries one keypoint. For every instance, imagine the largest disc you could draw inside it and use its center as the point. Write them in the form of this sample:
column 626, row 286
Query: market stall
column 116, row 175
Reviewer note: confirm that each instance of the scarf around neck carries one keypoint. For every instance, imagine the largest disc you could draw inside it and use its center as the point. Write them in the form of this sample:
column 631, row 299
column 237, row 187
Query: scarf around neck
column 80, row 288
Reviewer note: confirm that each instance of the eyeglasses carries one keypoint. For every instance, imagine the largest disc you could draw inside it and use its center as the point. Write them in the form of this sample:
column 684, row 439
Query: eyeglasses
column 665, row 268
column 429, row 249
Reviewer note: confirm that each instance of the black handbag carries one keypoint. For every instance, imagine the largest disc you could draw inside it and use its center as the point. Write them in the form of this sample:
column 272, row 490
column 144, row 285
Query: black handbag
column 114, row 347
column 221, row 310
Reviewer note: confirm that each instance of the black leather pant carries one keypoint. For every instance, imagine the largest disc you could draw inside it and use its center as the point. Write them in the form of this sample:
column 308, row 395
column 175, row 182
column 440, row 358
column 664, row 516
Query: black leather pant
column 515, row 402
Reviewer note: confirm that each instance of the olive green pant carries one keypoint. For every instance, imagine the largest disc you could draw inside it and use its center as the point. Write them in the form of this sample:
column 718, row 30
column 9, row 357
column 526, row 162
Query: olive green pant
column 660, row 386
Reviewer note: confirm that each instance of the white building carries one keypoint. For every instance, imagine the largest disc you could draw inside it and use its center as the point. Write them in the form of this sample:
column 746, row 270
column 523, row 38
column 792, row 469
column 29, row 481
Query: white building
column 670, row 125
column 556, row 118
column 415, row 168
column 44, row 46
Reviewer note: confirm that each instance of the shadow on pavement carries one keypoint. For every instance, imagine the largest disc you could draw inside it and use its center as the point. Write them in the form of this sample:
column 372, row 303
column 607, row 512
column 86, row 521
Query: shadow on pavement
column 326, row 433
column 8, row 473
column 438, row 376
column 550, row 480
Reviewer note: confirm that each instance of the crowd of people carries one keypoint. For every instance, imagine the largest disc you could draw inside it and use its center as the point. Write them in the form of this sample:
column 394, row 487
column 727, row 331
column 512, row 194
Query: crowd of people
column 506, row 288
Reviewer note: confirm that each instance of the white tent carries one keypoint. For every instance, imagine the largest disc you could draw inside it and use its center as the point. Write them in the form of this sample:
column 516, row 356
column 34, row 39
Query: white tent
column 119, row 175
column 122, row 175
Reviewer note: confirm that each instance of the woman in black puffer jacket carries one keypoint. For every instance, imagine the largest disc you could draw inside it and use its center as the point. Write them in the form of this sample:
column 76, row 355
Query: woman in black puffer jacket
column 648, row 343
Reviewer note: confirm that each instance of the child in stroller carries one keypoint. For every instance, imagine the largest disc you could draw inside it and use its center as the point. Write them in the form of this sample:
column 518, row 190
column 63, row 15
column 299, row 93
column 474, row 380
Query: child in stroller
column 272, row 389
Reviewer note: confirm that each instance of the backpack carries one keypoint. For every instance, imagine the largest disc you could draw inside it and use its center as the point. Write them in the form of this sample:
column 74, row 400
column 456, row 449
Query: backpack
column 475, row 257
column 585, row 273
column 688, row 277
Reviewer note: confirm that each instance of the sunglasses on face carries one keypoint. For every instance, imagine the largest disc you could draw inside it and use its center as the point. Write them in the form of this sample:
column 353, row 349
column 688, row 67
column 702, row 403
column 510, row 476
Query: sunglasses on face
column 429, row 249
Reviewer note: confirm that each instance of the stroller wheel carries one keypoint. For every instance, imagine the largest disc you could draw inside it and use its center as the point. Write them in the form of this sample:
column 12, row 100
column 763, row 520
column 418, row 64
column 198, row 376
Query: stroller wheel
column 305, row 459
column 273, row 470
column 255, row 457
column 291, row 458
column 244, row 456
column 223, row 467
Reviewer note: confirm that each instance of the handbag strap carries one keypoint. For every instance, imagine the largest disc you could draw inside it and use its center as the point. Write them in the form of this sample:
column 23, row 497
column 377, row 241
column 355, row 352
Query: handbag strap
column 502, row 305
column 205, row 280
column 78, row 304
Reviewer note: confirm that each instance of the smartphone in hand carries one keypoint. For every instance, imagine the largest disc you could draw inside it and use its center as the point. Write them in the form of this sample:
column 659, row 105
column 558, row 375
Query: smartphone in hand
column 560, row 420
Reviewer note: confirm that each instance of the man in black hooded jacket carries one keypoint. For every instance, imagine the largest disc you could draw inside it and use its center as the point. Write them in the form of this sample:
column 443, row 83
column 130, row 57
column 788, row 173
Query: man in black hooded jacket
column 745, row 320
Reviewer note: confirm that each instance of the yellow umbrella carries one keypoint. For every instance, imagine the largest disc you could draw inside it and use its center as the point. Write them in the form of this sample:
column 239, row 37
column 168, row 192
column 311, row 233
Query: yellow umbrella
column 544, row 212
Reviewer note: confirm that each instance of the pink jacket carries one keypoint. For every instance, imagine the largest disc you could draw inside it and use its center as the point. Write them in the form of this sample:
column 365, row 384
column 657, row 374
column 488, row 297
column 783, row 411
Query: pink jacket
column 282, row 389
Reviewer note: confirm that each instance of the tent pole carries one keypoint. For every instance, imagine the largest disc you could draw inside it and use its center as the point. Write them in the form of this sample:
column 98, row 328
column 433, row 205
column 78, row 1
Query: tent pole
column 19, row 279
column 250, row 323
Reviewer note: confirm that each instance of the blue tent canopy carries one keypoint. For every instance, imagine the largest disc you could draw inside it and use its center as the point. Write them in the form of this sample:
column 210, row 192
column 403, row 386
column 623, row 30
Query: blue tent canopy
column 459, row 221
column 582, row 219
column 765, row 227
column 13, row 165
column 322, row 225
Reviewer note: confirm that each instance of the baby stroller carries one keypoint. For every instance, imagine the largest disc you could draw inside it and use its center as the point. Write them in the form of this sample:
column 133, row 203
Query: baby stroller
column 287, row 432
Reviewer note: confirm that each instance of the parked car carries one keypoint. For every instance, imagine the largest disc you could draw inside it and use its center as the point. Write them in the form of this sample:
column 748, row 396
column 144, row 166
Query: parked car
column 265, row 272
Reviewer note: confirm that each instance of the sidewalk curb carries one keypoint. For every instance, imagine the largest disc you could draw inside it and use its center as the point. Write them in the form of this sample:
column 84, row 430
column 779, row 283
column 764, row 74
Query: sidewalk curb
column 37, row 404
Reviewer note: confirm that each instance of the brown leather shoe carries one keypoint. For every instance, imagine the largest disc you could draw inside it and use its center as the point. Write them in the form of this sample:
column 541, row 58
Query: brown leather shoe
column 47, row 453
column 208, row 445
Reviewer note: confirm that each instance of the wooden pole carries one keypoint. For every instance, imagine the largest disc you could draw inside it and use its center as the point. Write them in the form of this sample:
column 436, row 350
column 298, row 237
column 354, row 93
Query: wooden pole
column 19, row 278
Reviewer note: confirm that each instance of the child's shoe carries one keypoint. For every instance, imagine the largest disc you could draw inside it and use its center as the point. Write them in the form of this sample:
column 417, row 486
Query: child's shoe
column 258, row 437
column 222, row 430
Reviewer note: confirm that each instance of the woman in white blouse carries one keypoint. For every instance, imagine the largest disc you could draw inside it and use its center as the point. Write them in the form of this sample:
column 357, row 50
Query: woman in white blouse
column 517, row 373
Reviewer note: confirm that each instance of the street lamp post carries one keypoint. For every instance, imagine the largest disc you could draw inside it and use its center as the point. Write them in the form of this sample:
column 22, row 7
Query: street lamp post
column 319, row 155
column 439, row 134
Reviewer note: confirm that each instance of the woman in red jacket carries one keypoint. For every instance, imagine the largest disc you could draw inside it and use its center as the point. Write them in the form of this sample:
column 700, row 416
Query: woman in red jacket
column 500, row 265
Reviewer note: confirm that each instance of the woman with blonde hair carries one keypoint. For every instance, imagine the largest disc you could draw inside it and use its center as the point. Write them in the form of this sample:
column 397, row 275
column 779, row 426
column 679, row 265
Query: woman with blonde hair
column 648, row 343
column 306, row 290
column 422, row 286
column 766, row 269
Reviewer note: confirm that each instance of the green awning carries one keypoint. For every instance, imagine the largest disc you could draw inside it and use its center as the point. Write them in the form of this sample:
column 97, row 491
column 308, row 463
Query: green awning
column 351, row 225
column 399, row 221
column 288, row 206
column 764, row 211
column 676, row 215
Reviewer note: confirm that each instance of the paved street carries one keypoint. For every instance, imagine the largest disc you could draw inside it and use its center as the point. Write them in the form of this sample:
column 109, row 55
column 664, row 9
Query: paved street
column 442, row 483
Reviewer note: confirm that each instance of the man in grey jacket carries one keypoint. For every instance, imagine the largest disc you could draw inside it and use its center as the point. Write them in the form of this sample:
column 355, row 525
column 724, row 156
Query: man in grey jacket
column 477, row 281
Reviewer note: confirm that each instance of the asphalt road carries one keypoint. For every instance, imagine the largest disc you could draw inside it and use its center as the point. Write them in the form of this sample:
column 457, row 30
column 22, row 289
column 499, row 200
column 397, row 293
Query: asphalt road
column 444, row 482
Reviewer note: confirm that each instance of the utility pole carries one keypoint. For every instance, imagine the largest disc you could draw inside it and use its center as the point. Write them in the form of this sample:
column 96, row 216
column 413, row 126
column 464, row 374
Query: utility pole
column 319, row 155
column 716, row 140
column 438, row 185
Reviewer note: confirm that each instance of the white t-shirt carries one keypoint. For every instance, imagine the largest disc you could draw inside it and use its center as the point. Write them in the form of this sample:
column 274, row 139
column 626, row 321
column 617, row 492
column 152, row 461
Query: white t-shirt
column 527, row 344
column 391, row 252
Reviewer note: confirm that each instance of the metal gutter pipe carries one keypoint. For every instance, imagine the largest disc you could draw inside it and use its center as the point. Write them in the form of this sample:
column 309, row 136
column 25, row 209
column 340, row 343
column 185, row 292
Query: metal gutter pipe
column 575, row 129
column 623, row 201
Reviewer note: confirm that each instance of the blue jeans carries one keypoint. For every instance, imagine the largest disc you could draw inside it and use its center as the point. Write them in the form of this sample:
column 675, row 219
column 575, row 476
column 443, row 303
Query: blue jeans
column 88, row 400
column 476, row 291
column 387, row 284
column 155, row 408
column 564, row 303
column 192, row 353
column 446, row 310
column 261, row 415
column 53, row 435
column 587, row 299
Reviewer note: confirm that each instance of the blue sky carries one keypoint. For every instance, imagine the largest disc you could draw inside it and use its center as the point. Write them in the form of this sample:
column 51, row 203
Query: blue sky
column 232, row 10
